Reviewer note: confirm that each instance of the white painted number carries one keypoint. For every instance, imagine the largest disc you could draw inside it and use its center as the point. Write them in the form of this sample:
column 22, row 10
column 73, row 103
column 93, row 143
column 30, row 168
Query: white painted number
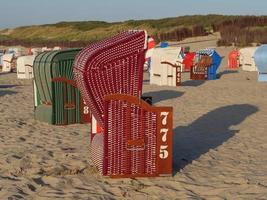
column 85, row 110
column 163, row 152
column 164, row 120
column 164, row 131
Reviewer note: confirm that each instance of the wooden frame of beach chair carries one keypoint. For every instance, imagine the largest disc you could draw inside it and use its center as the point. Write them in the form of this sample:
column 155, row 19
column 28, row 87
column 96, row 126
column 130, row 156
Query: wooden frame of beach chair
column 97, row 129
column 199, row 71
column 109, row 75
column 178, row 72
column 137, row 138
column 70, row 101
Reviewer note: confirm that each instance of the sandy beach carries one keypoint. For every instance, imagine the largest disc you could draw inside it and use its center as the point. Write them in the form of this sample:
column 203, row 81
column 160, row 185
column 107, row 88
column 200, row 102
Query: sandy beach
column 220, row 144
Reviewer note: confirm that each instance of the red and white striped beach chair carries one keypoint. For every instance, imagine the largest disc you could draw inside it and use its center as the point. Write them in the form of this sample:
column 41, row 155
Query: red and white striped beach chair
column 134, row 139
column 149, row 52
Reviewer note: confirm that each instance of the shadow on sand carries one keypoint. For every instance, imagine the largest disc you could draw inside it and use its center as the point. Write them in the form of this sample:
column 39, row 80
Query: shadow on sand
column 6, row 92
column 146, row 82
column 220, row 74
column 208, row 132
column 4, row 73
column 193, row 83
column 7, row 86
column 162, row 95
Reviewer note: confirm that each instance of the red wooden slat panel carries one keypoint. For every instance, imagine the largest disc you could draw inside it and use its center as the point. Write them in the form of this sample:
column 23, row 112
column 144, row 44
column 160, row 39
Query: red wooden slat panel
column 137, row 138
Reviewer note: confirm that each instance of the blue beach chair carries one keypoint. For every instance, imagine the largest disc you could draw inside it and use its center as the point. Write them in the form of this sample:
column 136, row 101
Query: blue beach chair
column 260, row 58
column 216, row 61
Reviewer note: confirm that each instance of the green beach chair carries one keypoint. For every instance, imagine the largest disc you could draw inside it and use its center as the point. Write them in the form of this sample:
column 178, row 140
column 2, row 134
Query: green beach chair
column 57, row 99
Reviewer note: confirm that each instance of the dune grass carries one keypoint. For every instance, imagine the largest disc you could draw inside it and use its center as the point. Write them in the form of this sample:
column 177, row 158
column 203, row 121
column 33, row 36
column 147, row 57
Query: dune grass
column 175, row 28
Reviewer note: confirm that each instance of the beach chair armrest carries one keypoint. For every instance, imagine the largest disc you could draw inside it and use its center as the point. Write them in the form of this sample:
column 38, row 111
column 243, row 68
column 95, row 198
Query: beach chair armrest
column 168, row 63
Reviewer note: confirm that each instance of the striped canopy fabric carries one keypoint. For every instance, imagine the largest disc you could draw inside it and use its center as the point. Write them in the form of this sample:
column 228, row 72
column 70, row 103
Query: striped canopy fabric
column 111, row 66
column 206, row 51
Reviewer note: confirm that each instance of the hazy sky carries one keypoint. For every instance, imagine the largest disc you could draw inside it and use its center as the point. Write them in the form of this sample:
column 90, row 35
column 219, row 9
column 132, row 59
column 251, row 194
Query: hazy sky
column 28, row 12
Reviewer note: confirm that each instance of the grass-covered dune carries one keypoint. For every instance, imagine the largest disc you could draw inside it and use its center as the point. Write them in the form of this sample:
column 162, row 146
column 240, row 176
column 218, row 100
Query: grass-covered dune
column 174, row 29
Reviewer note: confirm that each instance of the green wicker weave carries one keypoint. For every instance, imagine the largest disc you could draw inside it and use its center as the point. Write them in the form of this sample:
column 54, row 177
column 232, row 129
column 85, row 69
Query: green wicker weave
column 57, row 100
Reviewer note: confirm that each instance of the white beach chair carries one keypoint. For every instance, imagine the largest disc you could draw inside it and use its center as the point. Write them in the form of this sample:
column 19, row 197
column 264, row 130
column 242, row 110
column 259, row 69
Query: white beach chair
column 17, row 51
column 44, row 49
column 24, row 67
column 36, row 51
column 162, row 73
column 7, row 62
column 56, row 48
column 247, row 60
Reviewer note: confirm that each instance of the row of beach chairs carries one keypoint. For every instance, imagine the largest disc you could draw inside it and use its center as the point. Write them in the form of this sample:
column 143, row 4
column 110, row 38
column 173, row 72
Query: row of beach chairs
column 101, row 85
column 250, row 59
column 169, row 63
column 20, row 60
